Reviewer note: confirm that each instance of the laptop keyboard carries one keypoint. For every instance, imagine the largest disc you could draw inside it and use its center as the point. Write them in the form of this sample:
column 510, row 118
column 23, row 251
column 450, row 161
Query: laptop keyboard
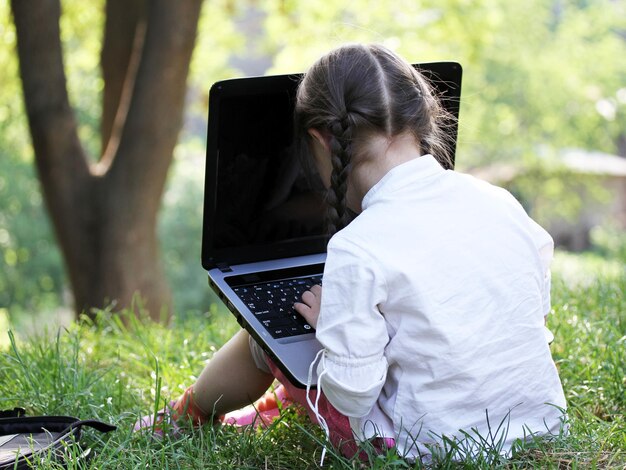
column 272, row 303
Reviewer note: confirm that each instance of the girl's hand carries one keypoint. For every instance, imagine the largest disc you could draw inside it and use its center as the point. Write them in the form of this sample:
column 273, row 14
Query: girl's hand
column 309, row 308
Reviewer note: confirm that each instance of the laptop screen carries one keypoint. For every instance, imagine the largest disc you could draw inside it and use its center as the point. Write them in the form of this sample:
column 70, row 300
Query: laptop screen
column 259, row 203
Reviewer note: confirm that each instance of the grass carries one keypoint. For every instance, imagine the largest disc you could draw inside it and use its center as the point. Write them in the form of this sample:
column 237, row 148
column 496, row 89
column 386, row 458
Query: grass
column 105, row 370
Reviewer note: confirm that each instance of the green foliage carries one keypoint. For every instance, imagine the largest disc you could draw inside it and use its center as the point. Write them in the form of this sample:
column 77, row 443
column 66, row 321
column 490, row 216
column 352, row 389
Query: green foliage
column 81, row 36
column 217, row 41
column 180, row 232
column 610, row 241
column 31, row 271
column 535, row 73
column 13, row 137
column 112, row 372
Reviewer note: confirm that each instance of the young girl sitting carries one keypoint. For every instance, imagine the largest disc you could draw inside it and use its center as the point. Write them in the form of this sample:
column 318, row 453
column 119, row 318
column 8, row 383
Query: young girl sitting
column 434, row 297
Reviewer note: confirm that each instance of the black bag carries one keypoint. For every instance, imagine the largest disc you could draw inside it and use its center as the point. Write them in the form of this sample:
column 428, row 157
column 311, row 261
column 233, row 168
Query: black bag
column 25, row 441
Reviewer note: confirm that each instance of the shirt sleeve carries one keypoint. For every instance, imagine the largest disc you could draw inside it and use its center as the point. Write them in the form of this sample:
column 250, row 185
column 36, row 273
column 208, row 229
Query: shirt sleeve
column 352, row 330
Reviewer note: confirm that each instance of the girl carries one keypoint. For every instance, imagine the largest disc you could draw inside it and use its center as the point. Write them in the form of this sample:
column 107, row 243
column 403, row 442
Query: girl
column 435, row 295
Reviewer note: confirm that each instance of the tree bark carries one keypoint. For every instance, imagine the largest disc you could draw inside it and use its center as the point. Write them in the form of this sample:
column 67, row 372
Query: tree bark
column 105, row 214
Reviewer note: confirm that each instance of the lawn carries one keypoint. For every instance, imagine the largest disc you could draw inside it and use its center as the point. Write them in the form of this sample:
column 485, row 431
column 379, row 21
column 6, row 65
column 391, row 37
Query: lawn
column 107, row 371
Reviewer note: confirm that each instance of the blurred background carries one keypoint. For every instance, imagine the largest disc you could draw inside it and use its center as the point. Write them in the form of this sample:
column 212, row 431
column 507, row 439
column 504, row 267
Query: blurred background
column 543, row 113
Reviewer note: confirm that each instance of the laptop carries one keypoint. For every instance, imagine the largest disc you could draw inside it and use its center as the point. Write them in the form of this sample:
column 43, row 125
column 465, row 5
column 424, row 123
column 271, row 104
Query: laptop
column 263, row 238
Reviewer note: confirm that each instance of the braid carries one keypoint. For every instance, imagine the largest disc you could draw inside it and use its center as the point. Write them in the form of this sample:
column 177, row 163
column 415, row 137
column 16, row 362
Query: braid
column 358, row 92
column 341, row 153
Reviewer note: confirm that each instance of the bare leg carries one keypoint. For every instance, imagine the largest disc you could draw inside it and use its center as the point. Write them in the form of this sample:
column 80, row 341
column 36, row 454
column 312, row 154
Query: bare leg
column 231, row 379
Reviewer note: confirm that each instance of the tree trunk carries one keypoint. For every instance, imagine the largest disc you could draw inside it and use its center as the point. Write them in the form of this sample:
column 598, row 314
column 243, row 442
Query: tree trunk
column 105, row 214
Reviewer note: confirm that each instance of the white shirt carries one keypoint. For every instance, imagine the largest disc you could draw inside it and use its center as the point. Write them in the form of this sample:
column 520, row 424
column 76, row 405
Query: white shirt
column 432, row 313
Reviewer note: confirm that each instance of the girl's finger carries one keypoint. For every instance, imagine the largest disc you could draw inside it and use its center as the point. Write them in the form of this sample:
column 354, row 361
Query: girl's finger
column 309, row 298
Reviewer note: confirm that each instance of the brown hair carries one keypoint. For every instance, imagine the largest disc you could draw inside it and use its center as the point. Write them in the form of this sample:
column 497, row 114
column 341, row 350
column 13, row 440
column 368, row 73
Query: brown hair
column 356, row 91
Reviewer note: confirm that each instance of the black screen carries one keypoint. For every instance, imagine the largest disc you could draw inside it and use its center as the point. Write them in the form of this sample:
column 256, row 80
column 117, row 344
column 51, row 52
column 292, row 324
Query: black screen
column 276, row 201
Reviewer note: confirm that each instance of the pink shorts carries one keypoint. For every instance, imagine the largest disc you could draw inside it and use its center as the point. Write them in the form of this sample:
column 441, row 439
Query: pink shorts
column 341, row 435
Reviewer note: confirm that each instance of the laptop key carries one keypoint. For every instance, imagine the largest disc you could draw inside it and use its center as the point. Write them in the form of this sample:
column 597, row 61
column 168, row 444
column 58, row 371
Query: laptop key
column 276, row 322
column 279, row 332
column 295, row 329
column 266, row 314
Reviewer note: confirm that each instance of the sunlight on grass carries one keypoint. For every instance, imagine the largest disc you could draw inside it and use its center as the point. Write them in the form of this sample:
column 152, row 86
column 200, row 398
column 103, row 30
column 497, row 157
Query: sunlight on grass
column 585, row 269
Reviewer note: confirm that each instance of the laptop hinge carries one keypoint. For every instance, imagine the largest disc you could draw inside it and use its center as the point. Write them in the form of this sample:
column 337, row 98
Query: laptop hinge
column 224, row 267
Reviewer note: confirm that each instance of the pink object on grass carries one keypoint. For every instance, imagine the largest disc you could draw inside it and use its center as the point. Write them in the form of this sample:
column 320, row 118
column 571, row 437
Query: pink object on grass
column 254, row 415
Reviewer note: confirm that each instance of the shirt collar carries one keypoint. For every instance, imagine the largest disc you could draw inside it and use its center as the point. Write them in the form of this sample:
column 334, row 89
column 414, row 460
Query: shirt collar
column 409, row 172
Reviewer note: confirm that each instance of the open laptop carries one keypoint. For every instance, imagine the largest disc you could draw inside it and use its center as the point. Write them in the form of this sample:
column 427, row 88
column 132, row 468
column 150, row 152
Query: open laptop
column 263, row 240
